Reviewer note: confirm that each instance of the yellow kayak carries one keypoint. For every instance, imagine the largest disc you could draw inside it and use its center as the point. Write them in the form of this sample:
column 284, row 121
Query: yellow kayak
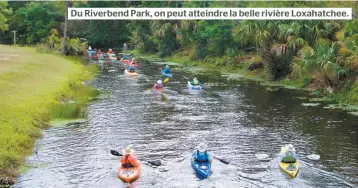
column 131, row 73
column 290, row 168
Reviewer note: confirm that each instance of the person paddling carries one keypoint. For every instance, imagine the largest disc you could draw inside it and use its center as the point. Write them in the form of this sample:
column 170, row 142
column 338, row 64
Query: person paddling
column 202, row 155
column 290, row 155
column 110, row 51
column 166, row 69
column 195, row 82
column 128, row 159
column 99, row 53
column 134, row 61
column 158, row 85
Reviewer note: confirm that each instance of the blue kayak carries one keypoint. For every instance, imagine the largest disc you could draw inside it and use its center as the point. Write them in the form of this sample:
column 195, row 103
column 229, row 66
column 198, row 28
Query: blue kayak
column 203, row 169
column 166, row 74
column 193, row 87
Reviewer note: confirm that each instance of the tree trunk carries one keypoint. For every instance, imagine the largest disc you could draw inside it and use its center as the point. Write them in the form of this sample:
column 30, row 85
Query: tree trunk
column 64, row 39
column 355, row 9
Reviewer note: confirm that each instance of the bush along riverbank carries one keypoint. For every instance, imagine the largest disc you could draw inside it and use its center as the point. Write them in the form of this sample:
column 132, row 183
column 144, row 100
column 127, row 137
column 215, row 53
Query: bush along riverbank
column 249, row 66
column 35, row 89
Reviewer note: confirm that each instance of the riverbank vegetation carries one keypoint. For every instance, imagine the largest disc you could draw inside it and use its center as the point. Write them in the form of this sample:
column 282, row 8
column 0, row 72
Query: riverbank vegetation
column 35, row 88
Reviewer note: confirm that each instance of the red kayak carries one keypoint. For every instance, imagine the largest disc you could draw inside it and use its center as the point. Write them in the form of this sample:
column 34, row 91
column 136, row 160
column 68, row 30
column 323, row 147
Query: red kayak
column 129, row 63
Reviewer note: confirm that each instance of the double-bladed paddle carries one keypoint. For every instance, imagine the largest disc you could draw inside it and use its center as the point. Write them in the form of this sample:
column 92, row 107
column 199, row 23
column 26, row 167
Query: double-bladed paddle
column 154, row 163
column 221, row 160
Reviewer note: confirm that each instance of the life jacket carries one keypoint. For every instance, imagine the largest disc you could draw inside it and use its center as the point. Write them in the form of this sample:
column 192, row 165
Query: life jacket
column 289, row 158
column 196, row 82
column 202, row 158
column 127, row 163
column 166, row 70
column 159, row 85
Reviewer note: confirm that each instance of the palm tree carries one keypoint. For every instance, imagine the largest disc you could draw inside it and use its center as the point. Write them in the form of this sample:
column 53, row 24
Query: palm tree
column 254, row 30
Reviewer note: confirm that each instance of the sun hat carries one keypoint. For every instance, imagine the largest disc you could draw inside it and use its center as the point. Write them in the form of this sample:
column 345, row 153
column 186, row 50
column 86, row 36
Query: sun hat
column 202, row 147
column 167, row 66
column 159, row 81
column 127, row 150
column 290, row 147
column 195, row 78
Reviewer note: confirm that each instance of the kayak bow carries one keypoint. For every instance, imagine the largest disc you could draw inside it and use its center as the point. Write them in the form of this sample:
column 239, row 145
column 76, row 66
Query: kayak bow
column 131, row 73
column 128, row 174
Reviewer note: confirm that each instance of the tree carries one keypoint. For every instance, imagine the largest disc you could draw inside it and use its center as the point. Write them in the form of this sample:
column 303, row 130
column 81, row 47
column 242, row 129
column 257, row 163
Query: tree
column 30, row 23
column 64, row 39
column 4, row 12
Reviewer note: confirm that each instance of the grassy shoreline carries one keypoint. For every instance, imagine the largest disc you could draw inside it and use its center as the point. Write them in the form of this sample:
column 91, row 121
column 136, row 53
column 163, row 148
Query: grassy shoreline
column 34, row 89
column 346, row 99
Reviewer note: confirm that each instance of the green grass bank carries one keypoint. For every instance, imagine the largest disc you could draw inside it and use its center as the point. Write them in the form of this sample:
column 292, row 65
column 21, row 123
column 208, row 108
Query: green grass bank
column 34, row 89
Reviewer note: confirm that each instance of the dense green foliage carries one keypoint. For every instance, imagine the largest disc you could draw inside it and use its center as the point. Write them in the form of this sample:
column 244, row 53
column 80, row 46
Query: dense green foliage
column 4, row 12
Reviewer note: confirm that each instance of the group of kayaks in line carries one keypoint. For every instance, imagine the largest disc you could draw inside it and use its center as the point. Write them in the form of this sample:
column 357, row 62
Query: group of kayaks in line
column 131, row 63
column 201, row 159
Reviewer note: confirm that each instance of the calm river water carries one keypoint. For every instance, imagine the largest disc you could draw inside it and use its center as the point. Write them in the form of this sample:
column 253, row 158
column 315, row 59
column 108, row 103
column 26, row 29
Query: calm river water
column 236, row 119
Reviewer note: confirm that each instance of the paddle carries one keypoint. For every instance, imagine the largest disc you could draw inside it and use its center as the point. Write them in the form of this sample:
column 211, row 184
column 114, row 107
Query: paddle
column 221, row 160
column 154, row 163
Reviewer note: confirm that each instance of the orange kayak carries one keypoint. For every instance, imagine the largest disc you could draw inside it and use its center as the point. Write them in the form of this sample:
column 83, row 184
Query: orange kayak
column 128, row 174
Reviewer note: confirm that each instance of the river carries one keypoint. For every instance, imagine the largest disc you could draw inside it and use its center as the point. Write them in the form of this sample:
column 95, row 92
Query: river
column 237, row 119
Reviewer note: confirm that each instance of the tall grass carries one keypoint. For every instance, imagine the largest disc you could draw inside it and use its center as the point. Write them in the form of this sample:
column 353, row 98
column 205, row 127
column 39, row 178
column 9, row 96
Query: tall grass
column 33, row 89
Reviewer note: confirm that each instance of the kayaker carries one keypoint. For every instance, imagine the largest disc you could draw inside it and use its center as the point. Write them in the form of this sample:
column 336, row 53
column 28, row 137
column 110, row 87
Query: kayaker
column 195, row 82
column 125, row 57
column 158, row 85
column 110, row 51
column 166, row 69
column 290, row 155
column 133, row 61
column 132, row 68
column 99, row 53
column 202, row 155
column 128, row 159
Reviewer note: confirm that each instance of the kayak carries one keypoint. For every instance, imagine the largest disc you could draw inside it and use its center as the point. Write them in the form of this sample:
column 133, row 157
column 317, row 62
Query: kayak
column 128, row 174
column 131, row 73
column 198, row 87
column 129, row 63
column 101, row 61
column 290, row 168
column 203, row 169
column 158, row 90
column 166, row 74
column 125, row 61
